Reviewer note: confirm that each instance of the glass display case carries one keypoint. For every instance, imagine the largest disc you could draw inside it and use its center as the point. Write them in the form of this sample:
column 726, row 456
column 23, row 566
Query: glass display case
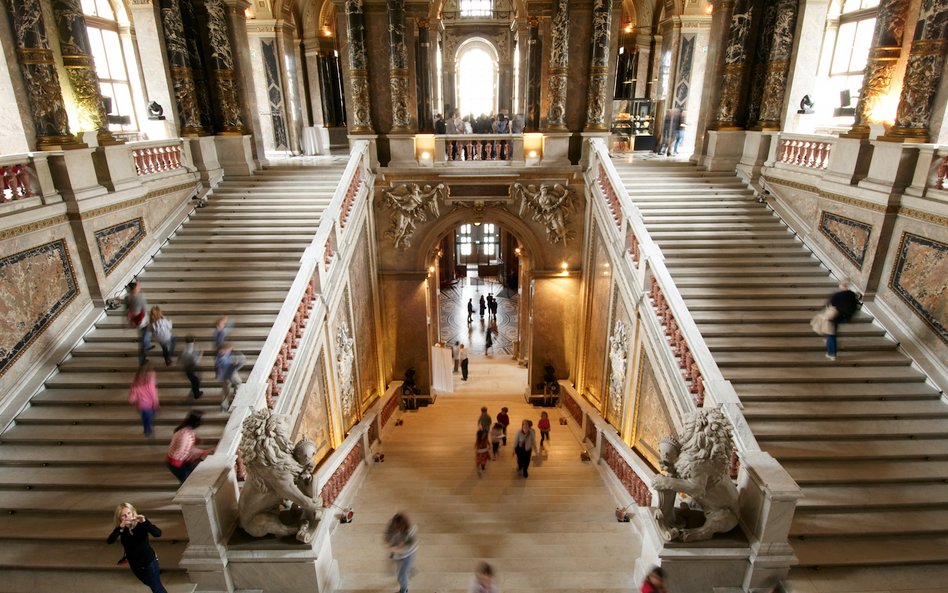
column 633, row 125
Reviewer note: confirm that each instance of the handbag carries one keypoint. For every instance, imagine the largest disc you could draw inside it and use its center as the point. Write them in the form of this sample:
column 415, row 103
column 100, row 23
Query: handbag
column 822, row 322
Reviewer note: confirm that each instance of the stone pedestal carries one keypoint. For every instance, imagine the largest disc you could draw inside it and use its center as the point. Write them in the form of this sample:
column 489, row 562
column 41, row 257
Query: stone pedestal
column 555, row 147
column 892, row 167
column 234, row 154
column 756, row 149
column 849, row 161
column 115, row 167
column 74, row 174
column 724, row 150
column 695, row 567
column 204, row 157
column 402, row 148
column 271, row 564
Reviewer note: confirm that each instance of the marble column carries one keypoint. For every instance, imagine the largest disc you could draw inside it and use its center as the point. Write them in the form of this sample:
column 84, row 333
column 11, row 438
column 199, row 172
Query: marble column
column 398, row 67
column 559, row 65
column 735, row 65
column 221, row 64
column 192, row 38
column 757, row 75
column 881, row 65
column 534, row 47
column 358, row 69
column 423, row 54
column 38, row 68
column 182, row 79
column 778, row 64
column 80, row 69
column 599, row 67
column 923, row 74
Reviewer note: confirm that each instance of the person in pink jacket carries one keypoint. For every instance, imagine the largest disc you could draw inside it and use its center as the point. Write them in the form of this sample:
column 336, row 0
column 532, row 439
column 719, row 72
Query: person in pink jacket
column 143, row 394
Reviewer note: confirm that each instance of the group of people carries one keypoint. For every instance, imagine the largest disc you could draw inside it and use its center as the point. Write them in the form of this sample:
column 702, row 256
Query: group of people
column 485, row 305
column 401, row 540
column 152, row 324
column 492, row 435
column 482, row 124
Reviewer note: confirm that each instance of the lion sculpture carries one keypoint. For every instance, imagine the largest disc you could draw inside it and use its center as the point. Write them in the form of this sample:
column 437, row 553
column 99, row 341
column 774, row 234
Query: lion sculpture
column 699, row 468
column 275, row 475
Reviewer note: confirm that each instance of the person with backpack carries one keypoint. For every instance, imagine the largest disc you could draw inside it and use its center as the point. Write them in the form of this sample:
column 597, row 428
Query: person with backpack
column 161, row 331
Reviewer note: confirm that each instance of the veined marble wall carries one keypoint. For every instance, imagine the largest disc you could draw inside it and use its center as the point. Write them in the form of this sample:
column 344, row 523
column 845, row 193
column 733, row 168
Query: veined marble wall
column 363, row 309
column 405, row 328
column 555, row 301
column 118, row 241
column 651, row 419
column 920, row 278
column 596, row 335
column 37, row 284
column 345, row 369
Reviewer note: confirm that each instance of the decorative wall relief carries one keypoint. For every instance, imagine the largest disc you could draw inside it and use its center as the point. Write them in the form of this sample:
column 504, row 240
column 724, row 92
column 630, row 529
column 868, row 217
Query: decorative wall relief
column 313, row 421
column 619, row 343
column 551, row 206
column 920, row 278
column 651, row 420
column 363, row 311
column 597, row 322
column 411, row 204
column 345, row 374
column 37, row 284
column 116, row 242
column 274, row 95
column 850, row 236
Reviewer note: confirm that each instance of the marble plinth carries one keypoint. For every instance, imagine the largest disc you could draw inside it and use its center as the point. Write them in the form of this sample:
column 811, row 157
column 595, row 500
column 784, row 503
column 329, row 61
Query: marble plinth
column 724, row 150
column 282, row 564
column 204, row 156
column 235, row 155
column 694, row 567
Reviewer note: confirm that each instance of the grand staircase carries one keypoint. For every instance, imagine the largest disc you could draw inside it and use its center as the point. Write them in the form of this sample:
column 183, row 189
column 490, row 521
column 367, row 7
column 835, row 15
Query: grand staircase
column 77, row 450
column 865, row 436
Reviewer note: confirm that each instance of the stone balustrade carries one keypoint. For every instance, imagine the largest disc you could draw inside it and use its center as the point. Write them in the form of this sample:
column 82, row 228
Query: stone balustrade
column 930, row 179
column 26, row 179
column 469, row 149
column 156, row 156
column 805, row 151
column 16, row 181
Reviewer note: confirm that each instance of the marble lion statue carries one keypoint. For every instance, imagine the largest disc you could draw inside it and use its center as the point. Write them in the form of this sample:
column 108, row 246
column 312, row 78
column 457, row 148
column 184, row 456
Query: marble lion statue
column 700, row 470
column 275, row 475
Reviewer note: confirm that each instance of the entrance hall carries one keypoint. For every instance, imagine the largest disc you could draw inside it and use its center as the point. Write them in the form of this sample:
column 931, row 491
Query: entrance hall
column 553, row 531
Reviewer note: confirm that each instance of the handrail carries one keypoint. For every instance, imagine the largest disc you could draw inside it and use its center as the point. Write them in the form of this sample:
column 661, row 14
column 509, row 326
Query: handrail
column 683, row 336
column 301, row 303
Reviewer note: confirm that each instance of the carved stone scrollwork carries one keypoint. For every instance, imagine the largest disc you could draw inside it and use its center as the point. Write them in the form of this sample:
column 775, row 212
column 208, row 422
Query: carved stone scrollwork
column 551, row 206
column 559, row 65
column 699, row 467
column 221, row 65
column 618, row 361
column 345, row 357
column 599, row 68
column 411, row 204
column 358, row 63
column 398, row 66
column 735, row 64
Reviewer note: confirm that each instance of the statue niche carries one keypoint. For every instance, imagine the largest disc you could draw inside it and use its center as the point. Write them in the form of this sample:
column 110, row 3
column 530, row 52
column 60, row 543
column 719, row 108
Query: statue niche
column 277, row 472
column 698, row 467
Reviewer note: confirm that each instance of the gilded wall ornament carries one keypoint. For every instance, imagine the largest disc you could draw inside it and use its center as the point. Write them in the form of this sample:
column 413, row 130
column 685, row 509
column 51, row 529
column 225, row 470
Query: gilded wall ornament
column 345, row 356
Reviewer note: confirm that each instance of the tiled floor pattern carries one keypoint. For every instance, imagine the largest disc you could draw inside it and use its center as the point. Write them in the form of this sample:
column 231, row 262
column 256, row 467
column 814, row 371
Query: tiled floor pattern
column 454, row 325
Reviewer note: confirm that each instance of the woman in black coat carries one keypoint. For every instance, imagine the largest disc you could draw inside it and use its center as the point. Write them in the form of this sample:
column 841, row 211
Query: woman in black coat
column 133, row 531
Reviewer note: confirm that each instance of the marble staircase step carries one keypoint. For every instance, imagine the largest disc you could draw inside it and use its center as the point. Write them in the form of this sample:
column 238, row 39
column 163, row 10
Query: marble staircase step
column 817, row 390
column 113, row 334
column 127, row 365
column 199, row 322
column 782, row 302
column 211, row 266
column 752, row 315
column 907, row 449
column 87, row 478
column 219, row 273
column 746, row 269
column 223, row 259
column 874, row 523
column 879, row 408
column 728, row 252
column 785, row 329
column 90, row 528
column 543, row 580
column 827, row 374
column 89, row 555
column 128, row 434
column 223, row 301
column 708, row 235
column 291, row 237
column 79, row 580
column 798, row 344
column 104, row 415
column 758, row 293
column 104, row 455
column 872, row 550
column 169, row 381
column 269, row 245
column 212, row 283
column 832, row 429
column 873, row 471
column 777, row 282
column 726, row 242
column 729, row 360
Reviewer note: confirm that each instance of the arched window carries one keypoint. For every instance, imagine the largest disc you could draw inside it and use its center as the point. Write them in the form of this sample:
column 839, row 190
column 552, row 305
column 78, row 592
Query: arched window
column 846, row 45
column 477, row 78
column 112, row 54
column 476, row 8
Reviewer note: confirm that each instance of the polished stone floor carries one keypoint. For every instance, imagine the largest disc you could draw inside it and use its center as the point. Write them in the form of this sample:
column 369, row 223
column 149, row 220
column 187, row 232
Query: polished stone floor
column 503, row 328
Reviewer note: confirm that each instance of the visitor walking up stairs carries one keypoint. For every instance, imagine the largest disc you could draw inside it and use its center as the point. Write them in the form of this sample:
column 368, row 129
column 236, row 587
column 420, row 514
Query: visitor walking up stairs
column 77, row 450
column 553, row 532
column 864, row 436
